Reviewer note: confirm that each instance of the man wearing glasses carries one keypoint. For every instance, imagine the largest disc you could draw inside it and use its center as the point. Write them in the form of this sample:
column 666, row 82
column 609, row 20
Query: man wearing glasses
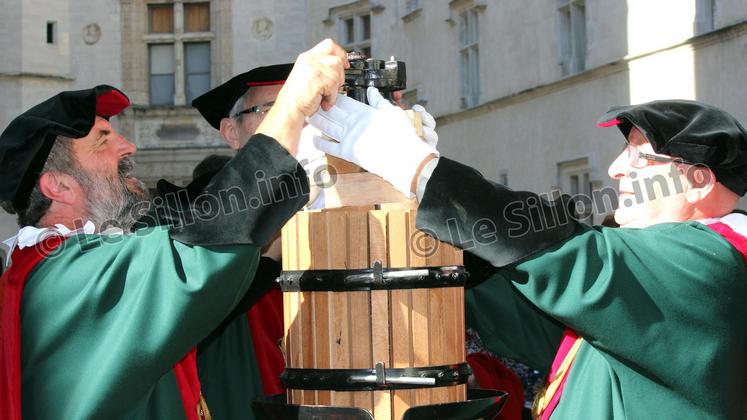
column 236, row 109
column 238, row 106
column 251, row 333
column 650, row 317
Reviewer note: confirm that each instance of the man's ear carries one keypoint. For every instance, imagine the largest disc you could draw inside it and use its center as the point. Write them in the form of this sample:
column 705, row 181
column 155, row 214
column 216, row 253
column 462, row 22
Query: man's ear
column 58, row 187
column 230, row 133
column 701, row 182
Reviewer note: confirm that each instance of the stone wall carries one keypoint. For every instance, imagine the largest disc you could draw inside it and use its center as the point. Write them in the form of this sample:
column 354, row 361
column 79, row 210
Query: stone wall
column 268, row 32
column 531, row 118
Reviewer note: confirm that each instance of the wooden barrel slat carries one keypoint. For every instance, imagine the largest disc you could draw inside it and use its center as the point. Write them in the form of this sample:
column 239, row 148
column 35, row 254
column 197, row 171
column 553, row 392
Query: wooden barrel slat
column 380, row 340
column 337, row 241
column 359, row 309
column 401, row 328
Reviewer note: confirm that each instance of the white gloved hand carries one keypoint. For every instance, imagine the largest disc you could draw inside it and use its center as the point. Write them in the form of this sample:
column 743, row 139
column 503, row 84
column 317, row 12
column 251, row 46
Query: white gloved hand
column 379, row 138
column 314, row 162
column 429, row 125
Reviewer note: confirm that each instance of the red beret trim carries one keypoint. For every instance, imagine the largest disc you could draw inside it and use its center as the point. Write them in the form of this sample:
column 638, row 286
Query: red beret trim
column 275, row 82
column 111, row 103
column 609, row 123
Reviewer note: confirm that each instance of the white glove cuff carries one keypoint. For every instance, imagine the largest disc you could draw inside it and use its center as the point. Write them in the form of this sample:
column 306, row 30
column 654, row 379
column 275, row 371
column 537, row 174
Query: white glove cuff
column 403, row 165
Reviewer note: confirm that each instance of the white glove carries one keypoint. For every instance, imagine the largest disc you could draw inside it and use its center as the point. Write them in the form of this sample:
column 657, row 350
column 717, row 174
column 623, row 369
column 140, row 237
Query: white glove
column 429, row 125
column 379, row 138
column 314, row 162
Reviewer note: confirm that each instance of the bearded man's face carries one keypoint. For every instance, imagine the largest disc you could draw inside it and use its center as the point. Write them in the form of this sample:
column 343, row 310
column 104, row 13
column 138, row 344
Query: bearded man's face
column 111, row 199
column 104, row 174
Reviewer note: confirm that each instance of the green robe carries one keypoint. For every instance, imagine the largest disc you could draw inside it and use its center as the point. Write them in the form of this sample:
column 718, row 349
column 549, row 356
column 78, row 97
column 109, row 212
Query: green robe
column 229, row 373
column 226, row 359
column 105, row 318
column 664, row 327
column 227, row 362
column 661, row 309
column 102, row 328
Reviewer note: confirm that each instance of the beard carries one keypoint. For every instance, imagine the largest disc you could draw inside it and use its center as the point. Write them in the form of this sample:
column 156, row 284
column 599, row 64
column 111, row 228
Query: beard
column 112, row 201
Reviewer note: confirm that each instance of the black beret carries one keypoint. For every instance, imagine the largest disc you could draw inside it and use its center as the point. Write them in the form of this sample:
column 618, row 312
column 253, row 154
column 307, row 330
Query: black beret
column 693, row 131
column 27, row 140
column 215, row 104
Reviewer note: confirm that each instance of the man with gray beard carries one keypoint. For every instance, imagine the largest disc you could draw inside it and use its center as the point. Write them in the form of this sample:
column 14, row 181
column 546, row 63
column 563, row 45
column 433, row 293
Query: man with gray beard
column 99, row 325
column 111, row 200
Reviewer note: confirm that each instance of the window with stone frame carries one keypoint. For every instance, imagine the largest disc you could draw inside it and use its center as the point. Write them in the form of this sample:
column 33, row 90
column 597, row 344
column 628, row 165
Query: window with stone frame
column 575, row 178
column 464, row 18
column 571, row 16
column 162, row 72
column 469, row 56
column 161, row 18
column 355, row 32
column 196, row 69
column 179, row 49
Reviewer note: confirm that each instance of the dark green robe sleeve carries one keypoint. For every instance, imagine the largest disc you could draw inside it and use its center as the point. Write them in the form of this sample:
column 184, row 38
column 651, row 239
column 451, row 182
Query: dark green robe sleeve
column 105, row 318
column 661, row 307
column 495, row 226
column 638, row 294
column 507, row 323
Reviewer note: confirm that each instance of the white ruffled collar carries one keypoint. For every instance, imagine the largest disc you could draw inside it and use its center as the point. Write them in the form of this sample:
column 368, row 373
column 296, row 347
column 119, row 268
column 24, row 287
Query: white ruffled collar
column 29, row 236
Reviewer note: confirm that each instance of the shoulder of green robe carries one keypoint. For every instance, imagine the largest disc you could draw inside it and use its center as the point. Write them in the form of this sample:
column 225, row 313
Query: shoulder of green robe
column 672, row 236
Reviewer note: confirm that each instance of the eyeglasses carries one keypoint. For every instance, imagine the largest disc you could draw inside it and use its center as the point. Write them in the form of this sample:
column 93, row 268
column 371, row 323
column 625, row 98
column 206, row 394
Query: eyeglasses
column 639, row 160
column 259, row 110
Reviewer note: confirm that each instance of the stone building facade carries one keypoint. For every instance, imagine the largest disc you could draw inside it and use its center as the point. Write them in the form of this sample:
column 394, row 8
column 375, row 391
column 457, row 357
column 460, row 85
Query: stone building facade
column 516, row 85
column 179, row 48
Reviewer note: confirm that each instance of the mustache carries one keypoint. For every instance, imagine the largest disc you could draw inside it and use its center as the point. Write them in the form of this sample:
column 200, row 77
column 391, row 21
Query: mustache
column 126, row 165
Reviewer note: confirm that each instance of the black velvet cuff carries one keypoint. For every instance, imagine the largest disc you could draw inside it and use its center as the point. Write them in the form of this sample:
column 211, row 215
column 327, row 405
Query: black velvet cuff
column 497, row 224
column 249, row 200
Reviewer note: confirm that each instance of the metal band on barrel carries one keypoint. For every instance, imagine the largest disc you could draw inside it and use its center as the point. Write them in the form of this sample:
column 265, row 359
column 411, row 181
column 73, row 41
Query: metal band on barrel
column 376, row 278
column 376, row 379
